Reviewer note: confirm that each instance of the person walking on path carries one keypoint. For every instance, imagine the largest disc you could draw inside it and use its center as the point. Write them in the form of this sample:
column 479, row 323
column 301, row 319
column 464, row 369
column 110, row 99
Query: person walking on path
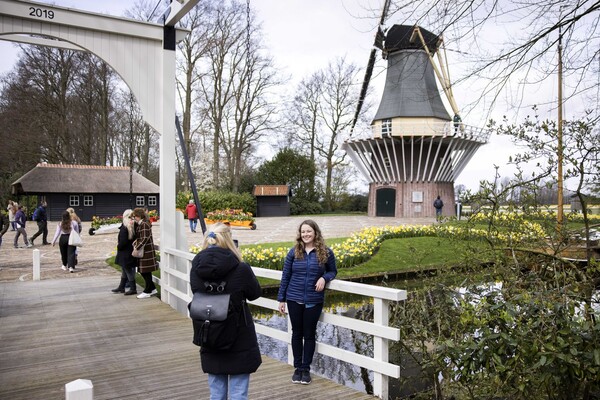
column 12, row 211
column 124, row 258
column 3, row 225
column 147, row 264
column 308, row 267
column 438, row 204
column 62, row 233
column 76, row 218
column 221, row 261
column 192, row 213
column 41, row 217
column 20, row 221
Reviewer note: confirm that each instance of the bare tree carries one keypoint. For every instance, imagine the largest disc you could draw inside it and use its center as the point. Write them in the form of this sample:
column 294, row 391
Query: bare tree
column 321, row 113
column 513, row 44
column 303, row 112
column 236, row 86
column 191, row 51
column 216, row 84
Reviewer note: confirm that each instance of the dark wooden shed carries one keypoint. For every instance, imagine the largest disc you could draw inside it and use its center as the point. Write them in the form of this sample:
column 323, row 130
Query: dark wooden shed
column 92, row 190
column 272, row 200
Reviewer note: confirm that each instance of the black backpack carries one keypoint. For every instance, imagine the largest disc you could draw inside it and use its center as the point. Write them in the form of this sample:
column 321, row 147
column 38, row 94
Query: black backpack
column 214, row 327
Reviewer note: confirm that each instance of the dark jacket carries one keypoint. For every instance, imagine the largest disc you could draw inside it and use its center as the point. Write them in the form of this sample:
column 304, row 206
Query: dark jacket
column 217, row 264
column 20, row 219
column 40, row 214
column 300, row 276
column 3, row 224
column 124, row 249
column 143, row 234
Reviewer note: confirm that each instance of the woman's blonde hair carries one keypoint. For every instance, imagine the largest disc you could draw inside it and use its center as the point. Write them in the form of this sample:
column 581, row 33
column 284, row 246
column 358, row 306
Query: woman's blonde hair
column 74, row 215
column 220, row 235
column 128, row 222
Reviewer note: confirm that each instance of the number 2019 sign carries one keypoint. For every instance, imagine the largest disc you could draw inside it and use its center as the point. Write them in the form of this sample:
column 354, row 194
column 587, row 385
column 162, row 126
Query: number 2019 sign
column 41, row 13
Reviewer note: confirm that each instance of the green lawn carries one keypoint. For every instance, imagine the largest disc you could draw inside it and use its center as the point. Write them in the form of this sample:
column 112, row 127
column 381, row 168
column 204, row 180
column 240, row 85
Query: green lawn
column 409, row 254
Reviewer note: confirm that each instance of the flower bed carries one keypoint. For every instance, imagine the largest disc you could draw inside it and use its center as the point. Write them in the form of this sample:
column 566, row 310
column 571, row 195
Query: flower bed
column 229, row 215
column 153, row 215
column 97, row 222
column 234, row 217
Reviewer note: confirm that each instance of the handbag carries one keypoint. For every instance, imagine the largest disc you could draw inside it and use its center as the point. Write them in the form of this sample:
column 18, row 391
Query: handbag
column 74, row 238
column 211, row 307
column 138, row 253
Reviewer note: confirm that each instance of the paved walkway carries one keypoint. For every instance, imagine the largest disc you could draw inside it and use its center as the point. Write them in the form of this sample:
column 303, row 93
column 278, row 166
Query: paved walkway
column 58, row 330
column 16, row 264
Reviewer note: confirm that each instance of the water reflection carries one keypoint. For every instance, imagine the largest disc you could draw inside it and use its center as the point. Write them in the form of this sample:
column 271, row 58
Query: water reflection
column 338, row 371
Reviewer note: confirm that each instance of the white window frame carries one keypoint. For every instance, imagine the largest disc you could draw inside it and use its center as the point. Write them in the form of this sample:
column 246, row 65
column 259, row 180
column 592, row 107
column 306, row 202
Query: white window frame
column 152, row 201
column 73, row 200
column 88, row 200
column 386, row 127
column 140, row 201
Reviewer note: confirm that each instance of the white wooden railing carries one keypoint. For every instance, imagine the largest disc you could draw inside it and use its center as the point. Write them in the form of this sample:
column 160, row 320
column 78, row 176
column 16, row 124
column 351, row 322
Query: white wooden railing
column 175, row 268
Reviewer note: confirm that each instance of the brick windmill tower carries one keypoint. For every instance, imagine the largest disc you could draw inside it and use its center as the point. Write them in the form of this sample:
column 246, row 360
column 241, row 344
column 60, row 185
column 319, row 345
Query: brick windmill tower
column 417, row 149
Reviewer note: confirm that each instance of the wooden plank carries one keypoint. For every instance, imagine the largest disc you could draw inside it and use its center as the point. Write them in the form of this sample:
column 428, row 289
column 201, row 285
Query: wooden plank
column 55, row 331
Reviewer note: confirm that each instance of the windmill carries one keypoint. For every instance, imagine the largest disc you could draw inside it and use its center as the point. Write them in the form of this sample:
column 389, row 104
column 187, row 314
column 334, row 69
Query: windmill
column 417, row 149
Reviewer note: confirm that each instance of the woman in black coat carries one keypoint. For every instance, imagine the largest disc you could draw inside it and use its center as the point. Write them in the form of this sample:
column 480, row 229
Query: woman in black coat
column 220, row 261
column 124, row 258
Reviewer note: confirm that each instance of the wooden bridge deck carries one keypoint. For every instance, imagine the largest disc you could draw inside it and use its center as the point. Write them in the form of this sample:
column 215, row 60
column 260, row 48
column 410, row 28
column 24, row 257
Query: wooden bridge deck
column 55, row 331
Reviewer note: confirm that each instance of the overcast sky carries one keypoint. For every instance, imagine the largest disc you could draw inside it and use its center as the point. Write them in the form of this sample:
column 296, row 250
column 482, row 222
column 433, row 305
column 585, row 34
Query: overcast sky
column 304, row 35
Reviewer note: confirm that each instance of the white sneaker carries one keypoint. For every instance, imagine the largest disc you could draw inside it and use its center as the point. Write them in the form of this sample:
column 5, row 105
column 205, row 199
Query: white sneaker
column 153, row 292
column 71, row 270
column 64, row 267
column 29, row 245
column 144, row 295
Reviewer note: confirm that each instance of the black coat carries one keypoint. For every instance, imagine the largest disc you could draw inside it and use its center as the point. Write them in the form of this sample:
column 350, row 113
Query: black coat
column 3, row 224
column 216, row 264
column 124, row 249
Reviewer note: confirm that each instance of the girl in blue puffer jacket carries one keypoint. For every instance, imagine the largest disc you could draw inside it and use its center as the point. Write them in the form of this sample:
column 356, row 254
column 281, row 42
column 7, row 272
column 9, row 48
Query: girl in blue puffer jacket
column 308, row 266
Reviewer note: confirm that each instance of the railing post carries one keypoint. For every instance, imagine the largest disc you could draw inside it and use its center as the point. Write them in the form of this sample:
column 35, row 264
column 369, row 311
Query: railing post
column 381, row 314
column 36, row 265
column 80, row 389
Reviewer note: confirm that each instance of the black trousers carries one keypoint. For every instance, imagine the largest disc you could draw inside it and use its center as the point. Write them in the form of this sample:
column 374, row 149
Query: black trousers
column 42, row 230
column 67, row 253
column 150, row 286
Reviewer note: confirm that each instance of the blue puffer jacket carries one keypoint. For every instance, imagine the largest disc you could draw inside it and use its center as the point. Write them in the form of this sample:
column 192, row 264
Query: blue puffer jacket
column 300, row 276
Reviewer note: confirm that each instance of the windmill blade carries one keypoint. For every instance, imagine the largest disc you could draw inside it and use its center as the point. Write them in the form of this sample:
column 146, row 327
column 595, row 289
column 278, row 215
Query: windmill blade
column 377, row 44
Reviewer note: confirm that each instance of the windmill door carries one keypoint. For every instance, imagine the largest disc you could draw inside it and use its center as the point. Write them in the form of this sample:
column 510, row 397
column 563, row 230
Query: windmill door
column 385, row 202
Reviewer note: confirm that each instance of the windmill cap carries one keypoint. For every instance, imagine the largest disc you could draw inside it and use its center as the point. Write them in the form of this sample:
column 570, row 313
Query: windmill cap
column 398, row 37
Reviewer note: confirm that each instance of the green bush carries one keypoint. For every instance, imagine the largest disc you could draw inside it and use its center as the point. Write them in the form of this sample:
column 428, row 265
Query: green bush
column 300, row 206
column 353, row 202
column 218, row 200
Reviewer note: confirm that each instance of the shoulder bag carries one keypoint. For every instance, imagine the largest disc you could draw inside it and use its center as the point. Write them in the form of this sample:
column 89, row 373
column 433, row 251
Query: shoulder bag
column 75, row 239
column 138, row 253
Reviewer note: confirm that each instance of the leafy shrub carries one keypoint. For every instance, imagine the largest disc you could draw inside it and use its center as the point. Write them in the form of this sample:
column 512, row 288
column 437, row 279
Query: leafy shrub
column 300, row 206
column 353, row 202
column 218, row 200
